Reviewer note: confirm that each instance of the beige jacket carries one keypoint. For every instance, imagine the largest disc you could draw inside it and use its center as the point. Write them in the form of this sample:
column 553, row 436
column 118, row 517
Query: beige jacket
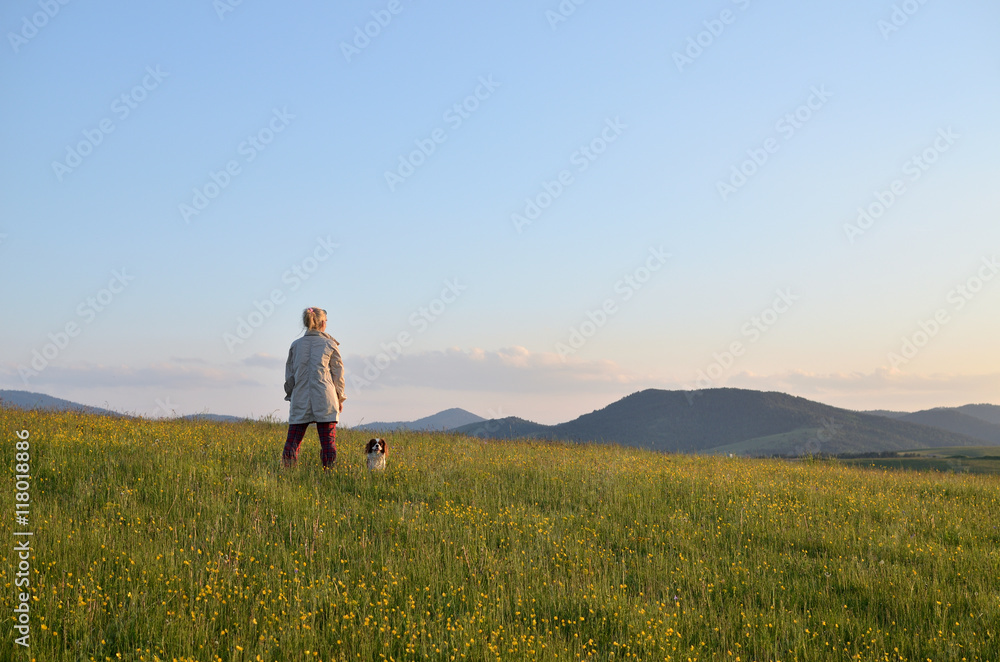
column 314, row 379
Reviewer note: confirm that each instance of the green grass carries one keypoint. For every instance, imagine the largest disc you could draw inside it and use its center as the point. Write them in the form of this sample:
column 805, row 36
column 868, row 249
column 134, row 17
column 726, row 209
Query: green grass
column 953, row 459
column 796, row 442
column 959, row 452
column 956, row 464
column 186, row 540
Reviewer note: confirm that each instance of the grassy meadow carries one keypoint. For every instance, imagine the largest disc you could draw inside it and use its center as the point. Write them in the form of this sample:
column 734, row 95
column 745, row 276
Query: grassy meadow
column 181, row 540
column 958, row 459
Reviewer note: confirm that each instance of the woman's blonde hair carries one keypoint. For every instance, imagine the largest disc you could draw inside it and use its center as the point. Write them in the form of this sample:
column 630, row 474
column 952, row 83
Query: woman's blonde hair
column 313, row 318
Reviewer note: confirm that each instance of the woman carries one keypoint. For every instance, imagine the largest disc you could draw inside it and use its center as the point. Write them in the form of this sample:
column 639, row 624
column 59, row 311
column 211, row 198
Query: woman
column 314, row 384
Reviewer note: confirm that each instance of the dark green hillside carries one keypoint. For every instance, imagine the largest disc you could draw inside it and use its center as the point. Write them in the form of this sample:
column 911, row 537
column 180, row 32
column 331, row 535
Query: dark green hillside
column 763, row 423
column 443, row 420
column 687, row 421
column 885, row 412
column 729, row 420
column 954, row 420
column 988, row 413
column 30, row 400
column 511, row 427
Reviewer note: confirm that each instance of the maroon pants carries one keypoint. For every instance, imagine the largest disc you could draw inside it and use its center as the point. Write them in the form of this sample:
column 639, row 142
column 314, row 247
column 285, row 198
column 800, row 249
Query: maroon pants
column 327, row 441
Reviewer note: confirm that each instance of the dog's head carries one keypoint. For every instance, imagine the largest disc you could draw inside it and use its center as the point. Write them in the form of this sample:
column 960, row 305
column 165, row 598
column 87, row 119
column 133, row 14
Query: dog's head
column 376, row 446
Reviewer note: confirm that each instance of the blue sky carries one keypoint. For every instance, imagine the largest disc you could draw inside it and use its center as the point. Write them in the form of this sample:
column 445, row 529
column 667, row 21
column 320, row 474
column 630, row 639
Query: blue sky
column 527, row 208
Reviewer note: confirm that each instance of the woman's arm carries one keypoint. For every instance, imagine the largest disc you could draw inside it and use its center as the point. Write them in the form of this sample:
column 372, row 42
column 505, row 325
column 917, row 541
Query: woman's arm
column 337, row 376
column 289, row 374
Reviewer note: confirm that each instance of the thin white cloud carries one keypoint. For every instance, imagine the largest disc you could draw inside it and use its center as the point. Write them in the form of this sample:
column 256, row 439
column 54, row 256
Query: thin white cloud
column 174, row 375
column 876, row 380
column 510, row 369
column 188, row 360
column 262, row 360
column 880, row 388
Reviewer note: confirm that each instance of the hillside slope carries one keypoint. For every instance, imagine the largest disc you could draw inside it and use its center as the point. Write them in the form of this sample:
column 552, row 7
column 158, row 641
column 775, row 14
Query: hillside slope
column 988, row 413
column 443, row 420
column 761, row 423
column 30, row 400
column 738, row 421
column 511, row 427
column 954, row 420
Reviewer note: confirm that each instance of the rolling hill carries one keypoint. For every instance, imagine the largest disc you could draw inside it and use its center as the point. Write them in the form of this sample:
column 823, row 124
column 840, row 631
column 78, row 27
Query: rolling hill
column 737, row 421
column 443, row 420
column 885, row 412
column 954, row 420
column 988, row 413
column 510, row 427
column 29, row 400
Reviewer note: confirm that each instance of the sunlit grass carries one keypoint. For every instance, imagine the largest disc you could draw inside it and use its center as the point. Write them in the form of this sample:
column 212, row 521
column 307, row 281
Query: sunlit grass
column 164, row 540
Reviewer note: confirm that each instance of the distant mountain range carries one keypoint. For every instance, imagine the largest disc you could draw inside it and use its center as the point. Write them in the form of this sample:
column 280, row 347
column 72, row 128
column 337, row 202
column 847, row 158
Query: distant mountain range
column 444, row 420
column 887, row 413
column 744, row 422
column 978, row 421
column 29, row 400
column 988, row 413
column 723, row 420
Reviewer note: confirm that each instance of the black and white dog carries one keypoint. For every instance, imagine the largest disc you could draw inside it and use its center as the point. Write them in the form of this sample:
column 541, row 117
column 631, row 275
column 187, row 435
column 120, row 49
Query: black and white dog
column 375, row 453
